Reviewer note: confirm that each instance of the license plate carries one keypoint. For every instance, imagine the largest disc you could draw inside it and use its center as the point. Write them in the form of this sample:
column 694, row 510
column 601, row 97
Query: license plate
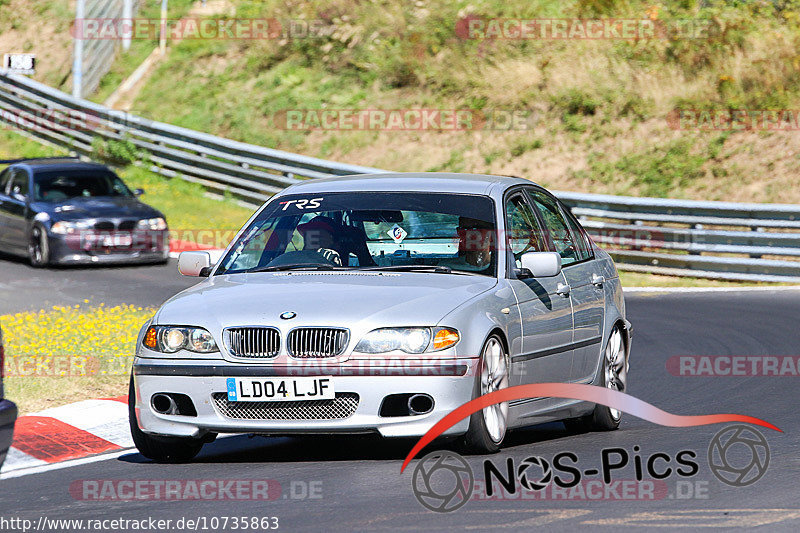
column 119, row 240
column 122, row 241
column 280, row 389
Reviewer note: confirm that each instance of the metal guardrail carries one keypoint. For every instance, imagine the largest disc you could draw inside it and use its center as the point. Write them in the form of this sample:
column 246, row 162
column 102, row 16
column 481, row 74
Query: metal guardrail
column 250, row 172
column 676, row 237
column 754, row 242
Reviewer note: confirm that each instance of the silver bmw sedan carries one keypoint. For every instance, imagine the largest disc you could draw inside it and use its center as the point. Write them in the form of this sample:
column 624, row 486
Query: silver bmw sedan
column 379, row 304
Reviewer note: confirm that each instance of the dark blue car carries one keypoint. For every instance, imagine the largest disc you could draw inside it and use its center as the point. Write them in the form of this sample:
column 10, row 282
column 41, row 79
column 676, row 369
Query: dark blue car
column 66, row 211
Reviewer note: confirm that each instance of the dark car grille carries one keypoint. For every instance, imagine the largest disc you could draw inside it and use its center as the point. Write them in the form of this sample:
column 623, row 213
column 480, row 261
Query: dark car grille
column 105, row 225
column 255, row 342
column 127, row 225
column 317, row 342
column 110, row 225
column 342, row 406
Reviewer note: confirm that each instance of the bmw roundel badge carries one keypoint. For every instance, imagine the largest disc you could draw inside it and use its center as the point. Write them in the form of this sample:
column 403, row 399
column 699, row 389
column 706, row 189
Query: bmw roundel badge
column 288, row 315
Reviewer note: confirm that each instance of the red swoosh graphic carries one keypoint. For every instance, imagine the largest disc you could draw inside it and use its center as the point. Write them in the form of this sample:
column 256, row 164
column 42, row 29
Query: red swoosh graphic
column 588, row 393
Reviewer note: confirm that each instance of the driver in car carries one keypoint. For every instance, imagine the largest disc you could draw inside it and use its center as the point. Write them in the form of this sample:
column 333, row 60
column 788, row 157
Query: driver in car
column 319, row 235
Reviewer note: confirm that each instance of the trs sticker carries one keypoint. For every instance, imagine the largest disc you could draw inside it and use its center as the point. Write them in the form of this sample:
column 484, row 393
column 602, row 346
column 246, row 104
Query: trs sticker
column 302, row 204
column 232, row 397
column 397, row 234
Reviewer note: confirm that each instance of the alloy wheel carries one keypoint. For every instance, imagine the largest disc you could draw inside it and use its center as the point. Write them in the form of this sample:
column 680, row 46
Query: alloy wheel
column 615, row 367
column 494, row 376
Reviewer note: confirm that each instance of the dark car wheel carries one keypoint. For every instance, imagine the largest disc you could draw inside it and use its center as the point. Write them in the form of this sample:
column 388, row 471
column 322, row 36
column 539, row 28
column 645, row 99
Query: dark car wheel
column 39, row 247
column 160, row 449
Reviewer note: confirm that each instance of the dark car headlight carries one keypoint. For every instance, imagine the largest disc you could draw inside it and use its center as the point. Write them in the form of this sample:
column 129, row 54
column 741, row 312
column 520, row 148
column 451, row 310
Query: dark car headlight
column 154, row 224
column 69, row 227
column 170, row 339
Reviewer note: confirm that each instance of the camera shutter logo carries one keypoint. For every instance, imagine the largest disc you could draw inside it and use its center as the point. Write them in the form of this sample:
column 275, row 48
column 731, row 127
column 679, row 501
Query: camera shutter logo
column 442, row 481
column 529, row 482
column 738, row 455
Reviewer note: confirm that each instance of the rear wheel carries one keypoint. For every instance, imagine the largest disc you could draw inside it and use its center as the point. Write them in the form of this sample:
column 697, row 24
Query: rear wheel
column 614, row 375
column 38, row 247
column 487, row 427
column 160, row 449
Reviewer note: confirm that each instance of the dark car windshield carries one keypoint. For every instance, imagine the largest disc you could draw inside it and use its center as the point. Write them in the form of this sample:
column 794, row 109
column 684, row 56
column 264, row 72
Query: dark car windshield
column 414, row 231
column 56, row 186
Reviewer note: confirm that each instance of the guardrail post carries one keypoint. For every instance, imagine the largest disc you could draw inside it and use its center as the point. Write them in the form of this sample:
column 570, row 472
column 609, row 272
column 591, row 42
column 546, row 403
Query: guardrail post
column 758, row 230
column 162, row 44
column 127, row 17
column 693, row 239
column 77, row 59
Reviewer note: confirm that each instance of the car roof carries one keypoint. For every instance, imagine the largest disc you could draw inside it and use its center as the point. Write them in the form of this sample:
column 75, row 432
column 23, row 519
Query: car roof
column 65, row 163
column 407, row 181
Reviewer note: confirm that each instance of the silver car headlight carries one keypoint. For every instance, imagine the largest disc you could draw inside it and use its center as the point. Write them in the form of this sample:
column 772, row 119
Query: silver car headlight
column 152, row 224
column 170, row 339
column 409, row 340
column 67, row 227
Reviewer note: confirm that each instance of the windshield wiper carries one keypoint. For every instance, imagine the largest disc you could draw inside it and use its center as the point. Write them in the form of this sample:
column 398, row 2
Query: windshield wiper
column 439, row 269
column 298, row 266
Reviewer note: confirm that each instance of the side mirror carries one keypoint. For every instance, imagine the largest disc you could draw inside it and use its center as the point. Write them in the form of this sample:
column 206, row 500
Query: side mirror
column 138, row 192
column 16, row 194
column 194, row 263
column 542, row 264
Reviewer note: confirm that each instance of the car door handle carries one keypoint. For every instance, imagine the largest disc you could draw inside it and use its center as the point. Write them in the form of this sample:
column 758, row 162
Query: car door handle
column 563, row 290
column 598, row 281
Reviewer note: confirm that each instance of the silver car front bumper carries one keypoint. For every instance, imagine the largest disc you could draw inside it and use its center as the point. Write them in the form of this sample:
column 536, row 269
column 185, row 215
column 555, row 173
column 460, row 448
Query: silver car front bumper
column 201, row 383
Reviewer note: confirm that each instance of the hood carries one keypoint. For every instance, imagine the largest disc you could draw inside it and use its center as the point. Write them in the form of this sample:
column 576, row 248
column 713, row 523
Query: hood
column 356, row 300
column 98, row 207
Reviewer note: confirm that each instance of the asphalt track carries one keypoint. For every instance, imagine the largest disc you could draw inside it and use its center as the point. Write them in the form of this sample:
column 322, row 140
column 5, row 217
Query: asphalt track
column 24, row 288
column 357, row 483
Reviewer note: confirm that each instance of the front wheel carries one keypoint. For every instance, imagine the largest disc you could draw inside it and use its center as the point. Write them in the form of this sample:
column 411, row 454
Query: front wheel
column 160, row 449
column 487, row 427
column 39, row 247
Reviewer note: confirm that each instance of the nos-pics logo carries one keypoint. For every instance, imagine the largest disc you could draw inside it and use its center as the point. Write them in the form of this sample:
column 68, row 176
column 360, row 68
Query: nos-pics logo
column 443, row 481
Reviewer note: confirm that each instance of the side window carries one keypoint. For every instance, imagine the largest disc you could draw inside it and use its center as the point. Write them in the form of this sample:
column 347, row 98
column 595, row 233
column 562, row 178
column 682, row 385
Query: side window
column 18, row 183
column 556, row 227
column 4, row 180
column 523, row 233
column 582, row 243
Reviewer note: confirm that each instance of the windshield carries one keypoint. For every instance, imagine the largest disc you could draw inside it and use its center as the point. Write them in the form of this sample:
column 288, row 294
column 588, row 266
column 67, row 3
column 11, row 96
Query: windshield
column 56, row 186
column 414, row 231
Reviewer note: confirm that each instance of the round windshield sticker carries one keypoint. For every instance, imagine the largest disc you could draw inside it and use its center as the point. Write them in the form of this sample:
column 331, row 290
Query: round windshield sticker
column 397, row 234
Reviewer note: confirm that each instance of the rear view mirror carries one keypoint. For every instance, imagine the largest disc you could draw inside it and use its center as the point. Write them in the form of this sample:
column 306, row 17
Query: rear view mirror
column 542, row 264
column 377, row 216
column 194, row 263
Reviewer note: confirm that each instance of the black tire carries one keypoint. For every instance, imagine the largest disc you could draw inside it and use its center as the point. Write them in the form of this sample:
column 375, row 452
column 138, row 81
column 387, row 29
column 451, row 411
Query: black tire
column 160, row 449
column 38, row 247
column 477, row 439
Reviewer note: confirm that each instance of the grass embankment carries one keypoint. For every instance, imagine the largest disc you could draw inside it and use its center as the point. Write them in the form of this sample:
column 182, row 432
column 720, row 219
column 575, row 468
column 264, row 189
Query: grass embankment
column 64, row 354
column 601, row 105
